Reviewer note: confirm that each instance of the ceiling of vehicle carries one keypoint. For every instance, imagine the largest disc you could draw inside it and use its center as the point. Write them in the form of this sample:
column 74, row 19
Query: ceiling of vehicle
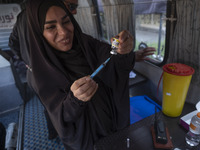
column 11, row 1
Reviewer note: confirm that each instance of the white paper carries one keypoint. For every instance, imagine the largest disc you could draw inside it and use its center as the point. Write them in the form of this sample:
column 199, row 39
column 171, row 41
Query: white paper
column 132, row 74
column 198, row 106
column 187, row 118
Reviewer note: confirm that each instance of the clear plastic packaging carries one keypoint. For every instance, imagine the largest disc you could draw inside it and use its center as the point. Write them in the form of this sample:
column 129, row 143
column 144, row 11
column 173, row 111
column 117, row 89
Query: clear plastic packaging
column 193, row 136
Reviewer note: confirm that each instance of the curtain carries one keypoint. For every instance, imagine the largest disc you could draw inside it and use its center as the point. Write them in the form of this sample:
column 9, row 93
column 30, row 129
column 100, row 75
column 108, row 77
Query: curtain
column 185, row 44
column 119, row 15
column 86, row 17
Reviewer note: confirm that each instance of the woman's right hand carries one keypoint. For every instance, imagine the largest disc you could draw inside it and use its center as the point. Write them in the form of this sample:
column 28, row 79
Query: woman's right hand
column 84, row 88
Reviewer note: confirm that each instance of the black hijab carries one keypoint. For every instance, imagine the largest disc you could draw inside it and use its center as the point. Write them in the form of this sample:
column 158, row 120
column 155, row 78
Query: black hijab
column 50, row 80
column 43, row 11
column 39, row 47
column 73, row 61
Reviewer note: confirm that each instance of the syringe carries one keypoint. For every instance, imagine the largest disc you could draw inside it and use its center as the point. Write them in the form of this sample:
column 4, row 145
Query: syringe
column 114, row 47
column 100, row 68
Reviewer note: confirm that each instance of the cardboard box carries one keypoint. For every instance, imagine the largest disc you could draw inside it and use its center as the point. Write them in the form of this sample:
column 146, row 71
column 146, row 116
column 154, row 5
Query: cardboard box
column 185, row 120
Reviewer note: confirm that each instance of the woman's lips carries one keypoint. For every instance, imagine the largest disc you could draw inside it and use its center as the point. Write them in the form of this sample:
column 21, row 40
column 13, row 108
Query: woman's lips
column 65, row 41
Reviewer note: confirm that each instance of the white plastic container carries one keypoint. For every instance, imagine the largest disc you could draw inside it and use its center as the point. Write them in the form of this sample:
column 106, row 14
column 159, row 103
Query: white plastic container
column 185, row 120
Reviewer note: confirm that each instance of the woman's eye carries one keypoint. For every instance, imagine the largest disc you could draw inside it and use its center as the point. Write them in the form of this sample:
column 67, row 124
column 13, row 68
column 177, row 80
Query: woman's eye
column 50, row 27
column 67, row 21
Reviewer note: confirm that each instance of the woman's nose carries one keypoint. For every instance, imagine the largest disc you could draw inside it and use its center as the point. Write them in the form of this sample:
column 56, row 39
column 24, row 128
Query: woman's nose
column 62, row 30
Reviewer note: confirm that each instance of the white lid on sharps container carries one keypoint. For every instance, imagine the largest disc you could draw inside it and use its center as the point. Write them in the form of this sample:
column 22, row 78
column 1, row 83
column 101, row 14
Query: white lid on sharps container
column 198, row 106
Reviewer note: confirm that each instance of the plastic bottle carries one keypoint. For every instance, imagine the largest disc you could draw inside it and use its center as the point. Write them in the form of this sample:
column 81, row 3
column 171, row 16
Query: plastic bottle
column 11, row 137
column 193, row 136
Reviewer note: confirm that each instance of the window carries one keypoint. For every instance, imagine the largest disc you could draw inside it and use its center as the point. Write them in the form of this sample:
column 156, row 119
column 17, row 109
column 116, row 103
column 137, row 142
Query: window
column 151, row 27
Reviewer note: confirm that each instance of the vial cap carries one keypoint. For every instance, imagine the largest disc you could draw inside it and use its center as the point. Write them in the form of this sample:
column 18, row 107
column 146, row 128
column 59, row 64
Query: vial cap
column 198, row 114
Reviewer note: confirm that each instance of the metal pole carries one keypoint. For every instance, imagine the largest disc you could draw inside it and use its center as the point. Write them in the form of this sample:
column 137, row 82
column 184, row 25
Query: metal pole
column 160, row 34
column 98, row 18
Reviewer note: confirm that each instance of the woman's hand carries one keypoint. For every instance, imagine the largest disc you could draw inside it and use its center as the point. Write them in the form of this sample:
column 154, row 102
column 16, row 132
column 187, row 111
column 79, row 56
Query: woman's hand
column 84, row 88
column 125, row 42
column 141, row 55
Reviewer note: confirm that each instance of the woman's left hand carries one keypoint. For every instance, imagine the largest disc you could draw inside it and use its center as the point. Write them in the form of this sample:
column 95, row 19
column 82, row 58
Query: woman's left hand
column 141, row 55
column 125, row 42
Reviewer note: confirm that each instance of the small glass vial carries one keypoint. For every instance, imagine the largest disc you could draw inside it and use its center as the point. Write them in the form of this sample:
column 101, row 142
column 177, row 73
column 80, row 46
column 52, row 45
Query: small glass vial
column 115, row 46
column 193, row 136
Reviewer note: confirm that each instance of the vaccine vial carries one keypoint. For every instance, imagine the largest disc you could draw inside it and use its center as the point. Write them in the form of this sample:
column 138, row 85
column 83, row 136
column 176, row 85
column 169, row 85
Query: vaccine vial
column 115, row 46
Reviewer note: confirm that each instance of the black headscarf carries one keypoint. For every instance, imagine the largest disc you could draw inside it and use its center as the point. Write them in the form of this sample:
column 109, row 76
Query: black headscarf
column 43, row 10
column 47, row 76
column 73, row 60
column 46, row 71
column 50, row 80
column 36, row 13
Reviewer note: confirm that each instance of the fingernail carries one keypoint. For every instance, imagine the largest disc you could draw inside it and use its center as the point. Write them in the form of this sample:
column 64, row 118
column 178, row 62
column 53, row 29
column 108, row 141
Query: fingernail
column 88, row 78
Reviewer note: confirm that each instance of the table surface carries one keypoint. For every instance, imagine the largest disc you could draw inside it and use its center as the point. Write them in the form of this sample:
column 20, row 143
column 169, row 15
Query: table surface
column 140, row 135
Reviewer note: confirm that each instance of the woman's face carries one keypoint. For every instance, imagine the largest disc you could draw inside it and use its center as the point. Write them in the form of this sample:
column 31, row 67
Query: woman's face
column 58, row 29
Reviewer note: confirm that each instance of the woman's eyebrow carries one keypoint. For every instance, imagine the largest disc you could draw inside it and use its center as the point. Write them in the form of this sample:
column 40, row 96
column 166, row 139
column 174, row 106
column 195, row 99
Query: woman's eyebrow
column 54, row 21
column 49, row 22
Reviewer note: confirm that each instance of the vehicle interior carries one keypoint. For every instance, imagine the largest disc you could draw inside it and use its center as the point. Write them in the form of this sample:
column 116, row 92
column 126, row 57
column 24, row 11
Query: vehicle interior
column 172, row 27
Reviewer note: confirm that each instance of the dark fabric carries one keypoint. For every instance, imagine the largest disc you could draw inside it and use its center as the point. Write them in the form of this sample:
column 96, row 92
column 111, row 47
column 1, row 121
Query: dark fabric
column 102, row 102
column 51, row 130
column 74, row 62
column 2, row 136
column 77, row 66
column 79, row 124
column 18, row 42
column 43, row 10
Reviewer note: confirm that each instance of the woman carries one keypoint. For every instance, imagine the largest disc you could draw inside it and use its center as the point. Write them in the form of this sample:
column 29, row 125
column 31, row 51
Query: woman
column 81, row 109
